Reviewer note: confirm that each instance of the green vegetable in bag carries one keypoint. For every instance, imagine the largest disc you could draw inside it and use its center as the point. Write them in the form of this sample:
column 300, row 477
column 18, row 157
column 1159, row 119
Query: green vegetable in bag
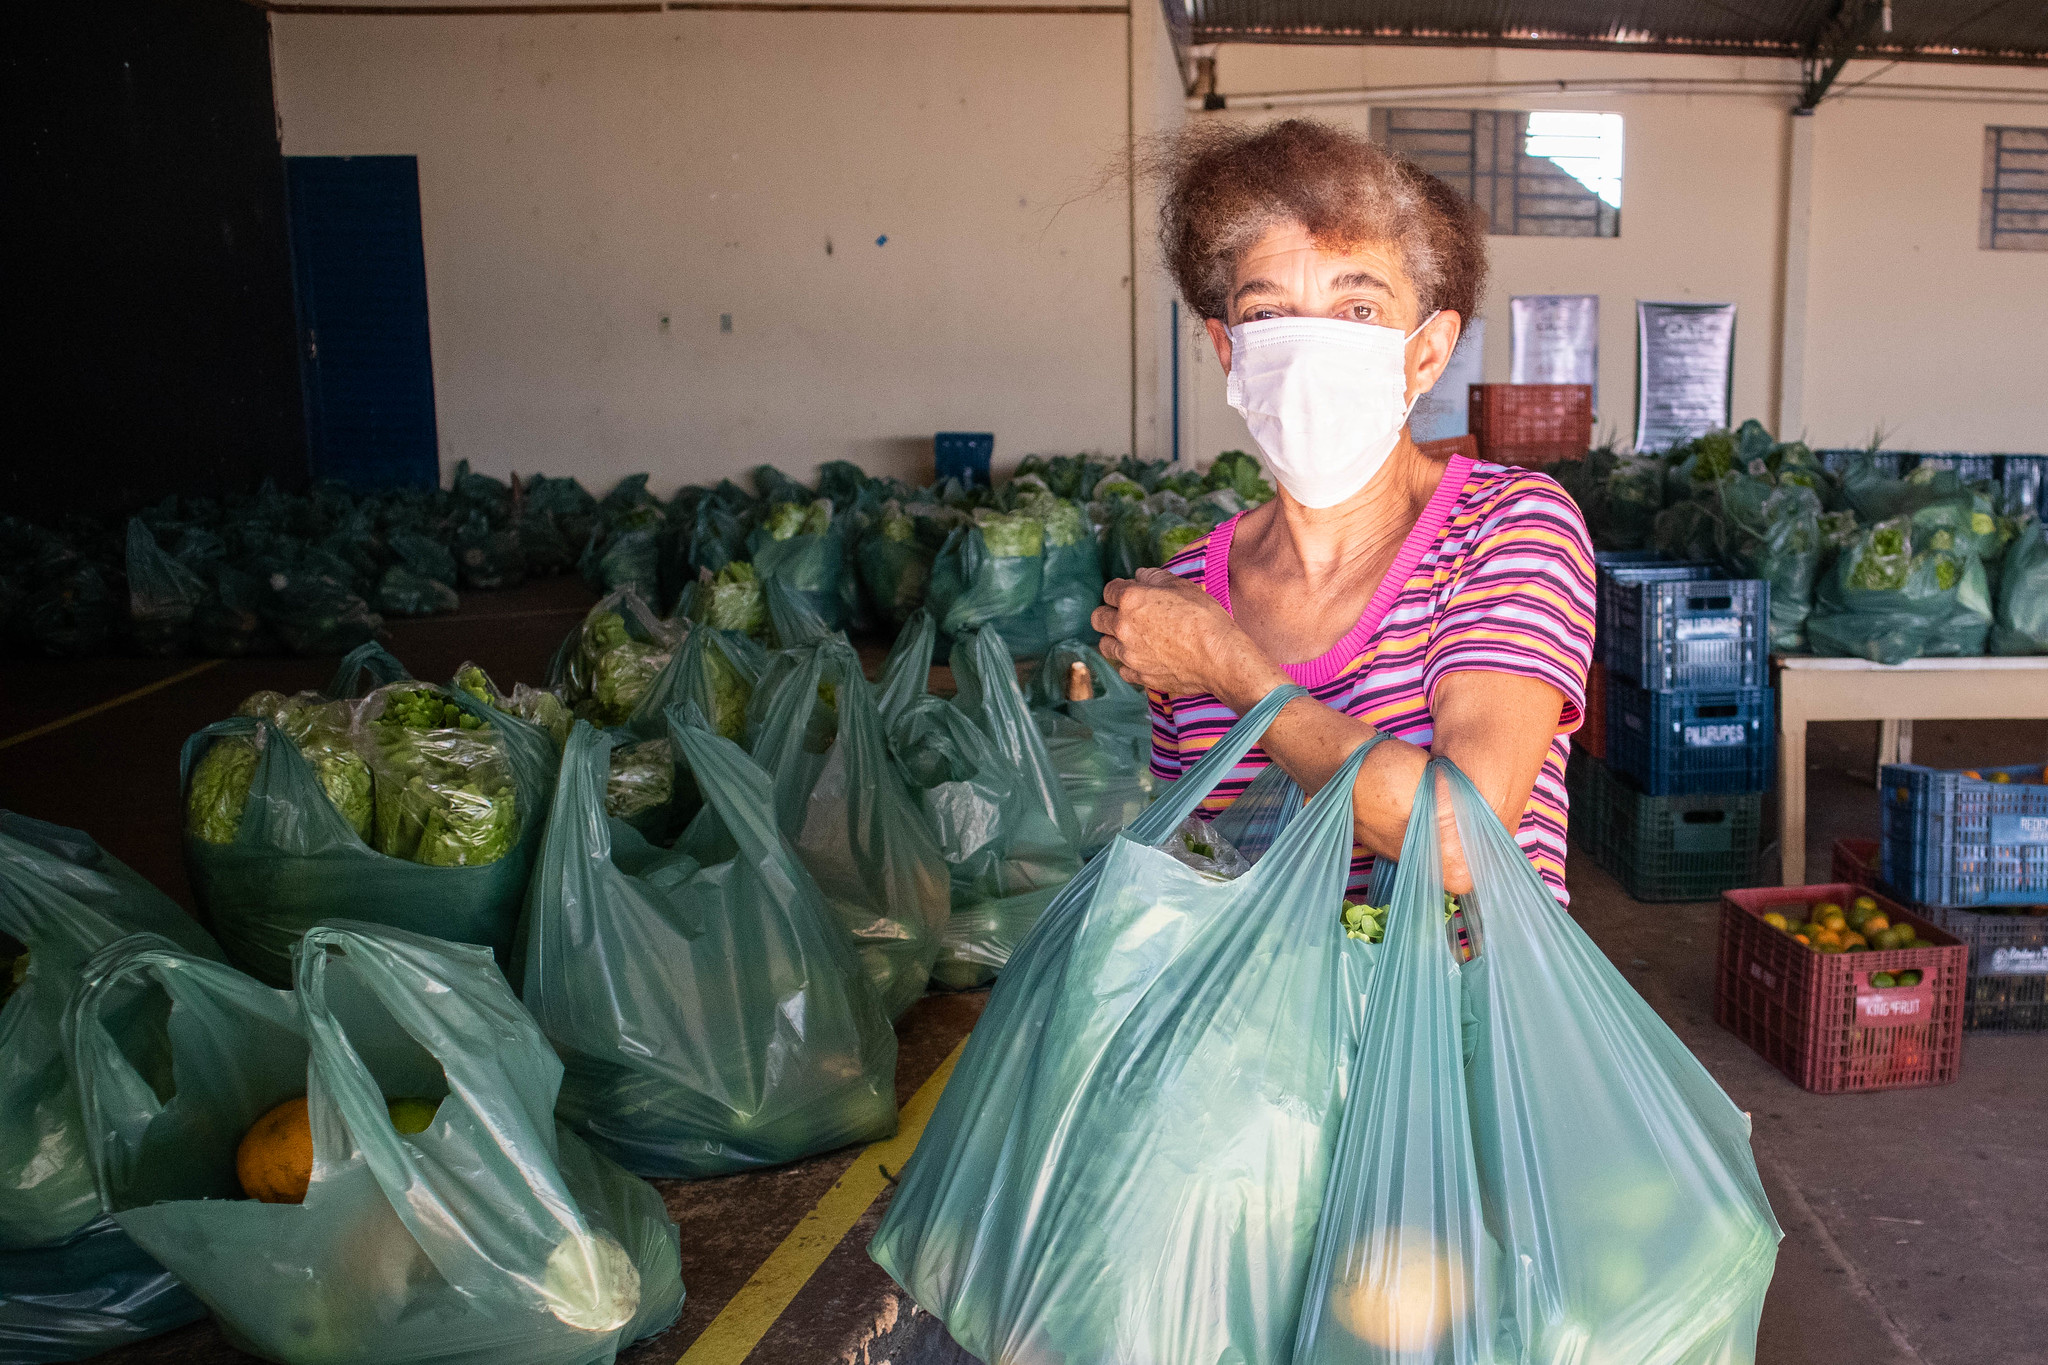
column 71, row 1284
column 1773, row 532
column 642, row 780
column 535, row 705
column 975, row 583
column 444, row 787
column 732, row 600
column 1165, row 1051
column 494, row 1232
column 667, row 980
column 1883, row 602
column 621, row 621
column 220, row 790
column 1240, row 473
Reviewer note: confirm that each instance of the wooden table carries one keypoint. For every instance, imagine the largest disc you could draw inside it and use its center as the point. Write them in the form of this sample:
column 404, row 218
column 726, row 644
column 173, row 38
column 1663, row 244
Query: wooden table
column 1894, row 695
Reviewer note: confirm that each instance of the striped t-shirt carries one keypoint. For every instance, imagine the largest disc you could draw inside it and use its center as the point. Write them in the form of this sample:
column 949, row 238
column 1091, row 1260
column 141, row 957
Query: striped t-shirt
column 1497, row 575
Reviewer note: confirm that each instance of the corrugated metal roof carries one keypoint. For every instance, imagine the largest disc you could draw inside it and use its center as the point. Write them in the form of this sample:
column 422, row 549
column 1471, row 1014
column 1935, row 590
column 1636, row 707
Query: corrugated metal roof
column 1973, row 30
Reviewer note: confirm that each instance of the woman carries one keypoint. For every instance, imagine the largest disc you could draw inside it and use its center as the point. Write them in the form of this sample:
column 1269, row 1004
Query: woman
column 1445, row 602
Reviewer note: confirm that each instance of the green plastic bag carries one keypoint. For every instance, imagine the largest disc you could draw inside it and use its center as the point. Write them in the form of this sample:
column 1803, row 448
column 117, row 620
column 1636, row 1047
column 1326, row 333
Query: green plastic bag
column 802, row 549
column 894, row 565
column 494, row 1235
column 1772, row 531
column 71, row 1284
column 293, row 859
column 1883, row 602
column 994, row 803
column 2021, row 626
column 709, row 1011
column 1071, row 586
column 1129, row 1160
column 1101, row 744
column 842, row 801
column 1531, row 1166
column 991, row 573
column 162, row 595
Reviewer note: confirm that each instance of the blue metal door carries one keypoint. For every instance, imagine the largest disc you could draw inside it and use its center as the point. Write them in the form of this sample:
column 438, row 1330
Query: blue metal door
column 360, row 274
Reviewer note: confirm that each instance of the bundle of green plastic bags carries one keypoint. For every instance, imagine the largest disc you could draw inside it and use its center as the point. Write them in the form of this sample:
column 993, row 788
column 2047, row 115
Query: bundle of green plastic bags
column 1384, row 1151
column 481, row 1230
column 72, row 1284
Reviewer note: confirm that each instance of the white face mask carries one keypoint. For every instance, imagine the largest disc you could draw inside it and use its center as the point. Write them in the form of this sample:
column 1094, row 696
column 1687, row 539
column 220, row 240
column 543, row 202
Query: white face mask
column 1325, row 399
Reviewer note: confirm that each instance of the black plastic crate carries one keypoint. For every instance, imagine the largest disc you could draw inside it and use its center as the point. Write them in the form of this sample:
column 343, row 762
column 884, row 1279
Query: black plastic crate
column 1705, row 633
column 2007, row 990
column 1968, row 468
column 1663, row 848
column 1835, row 461
column 2025, row 480
column 1957, row 840
column 1624, row 568
column 1694, row 742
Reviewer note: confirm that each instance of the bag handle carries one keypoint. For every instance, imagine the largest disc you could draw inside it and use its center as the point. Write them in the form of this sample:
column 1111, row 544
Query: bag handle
column 1178, row 800
column 367, row 658
column 907, row 674
column 740, row 791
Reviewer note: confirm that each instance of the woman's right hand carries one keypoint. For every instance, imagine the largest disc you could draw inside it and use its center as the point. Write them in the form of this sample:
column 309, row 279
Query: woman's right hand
column 1165, row 634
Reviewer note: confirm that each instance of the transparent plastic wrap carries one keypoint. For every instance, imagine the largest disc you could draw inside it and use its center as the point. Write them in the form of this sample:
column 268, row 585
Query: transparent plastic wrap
column 711, row 1014
column 612, row 657
column 1532, row 1166
column 292, row 857
column 490, row 1234
column 1129, row 1161
column 71, row 1283
column 841, row 799
column 537, row 706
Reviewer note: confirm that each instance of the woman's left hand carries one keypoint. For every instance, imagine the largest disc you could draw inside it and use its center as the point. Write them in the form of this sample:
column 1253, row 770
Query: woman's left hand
column 1164, row 633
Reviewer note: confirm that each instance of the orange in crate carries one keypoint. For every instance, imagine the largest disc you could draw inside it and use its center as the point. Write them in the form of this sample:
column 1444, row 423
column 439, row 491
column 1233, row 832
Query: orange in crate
column 1531, row 424
column 1819, row 1017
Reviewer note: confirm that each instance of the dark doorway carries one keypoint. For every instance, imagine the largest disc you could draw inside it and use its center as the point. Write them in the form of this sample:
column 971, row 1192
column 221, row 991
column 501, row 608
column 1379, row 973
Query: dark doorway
column 148, row 282
column 364, row 354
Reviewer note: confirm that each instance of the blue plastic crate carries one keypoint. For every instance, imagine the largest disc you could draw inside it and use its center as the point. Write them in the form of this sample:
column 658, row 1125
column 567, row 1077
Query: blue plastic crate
column 1614, row 571
column 1704, row 633
column 1955, row 840
column 2025, row 480
column 964, row 455
column 1688, row 743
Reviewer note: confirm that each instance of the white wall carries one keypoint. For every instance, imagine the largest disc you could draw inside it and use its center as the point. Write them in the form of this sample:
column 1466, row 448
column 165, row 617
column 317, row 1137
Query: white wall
column 583, row 177
column 1910, row 326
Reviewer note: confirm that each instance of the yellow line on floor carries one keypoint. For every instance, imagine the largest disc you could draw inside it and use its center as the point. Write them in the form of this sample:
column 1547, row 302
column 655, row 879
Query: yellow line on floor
column 125, row 697
column 743, row 1321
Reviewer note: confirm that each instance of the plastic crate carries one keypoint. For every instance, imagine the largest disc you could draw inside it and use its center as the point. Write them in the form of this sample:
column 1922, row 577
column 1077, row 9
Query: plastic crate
column 1954, row 840
column 1531, row 424
column 1968, row 468
column 2008, row 985
column 1816, row 1017
column 2025, row 481
column 1611, row 574
column 1855, row 860
column 964, row 455
column 1592, row 733
column 1709, row 632
column 1887, row 461
column 1685, row 743
column 1663, row 848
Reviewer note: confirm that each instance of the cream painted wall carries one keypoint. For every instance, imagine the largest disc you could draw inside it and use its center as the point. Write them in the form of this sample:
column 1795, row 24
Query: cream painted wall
column 583, row 178
column 1894, row 234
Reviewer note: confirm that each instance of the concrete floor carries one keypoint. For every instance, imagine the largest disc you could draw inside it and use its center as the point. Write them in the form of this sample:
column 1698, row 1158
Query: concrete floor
column 1914, row 1228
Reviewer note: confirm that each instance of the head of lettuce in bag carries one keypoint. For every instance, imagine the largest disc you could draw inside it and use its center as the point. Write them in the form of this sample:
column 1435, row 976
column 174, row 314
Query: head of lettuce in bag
column 320, row 728
column 444, row 789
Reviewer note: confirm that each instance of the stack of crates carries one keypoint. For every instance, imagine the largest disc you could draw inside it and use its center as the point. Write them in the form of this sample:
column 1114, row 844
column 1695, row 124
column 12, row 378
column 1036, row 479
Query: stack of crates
column 1670, row 798
column 1969, row 848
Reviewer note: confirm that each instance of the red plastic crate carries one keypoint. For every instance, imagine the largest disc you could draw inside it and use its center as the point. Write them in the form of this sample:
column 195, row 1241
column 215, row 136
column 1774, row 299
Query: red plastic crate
column 1531, row 424
column 1592, row 736
column 1816, row 1017
column 1855, row 860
